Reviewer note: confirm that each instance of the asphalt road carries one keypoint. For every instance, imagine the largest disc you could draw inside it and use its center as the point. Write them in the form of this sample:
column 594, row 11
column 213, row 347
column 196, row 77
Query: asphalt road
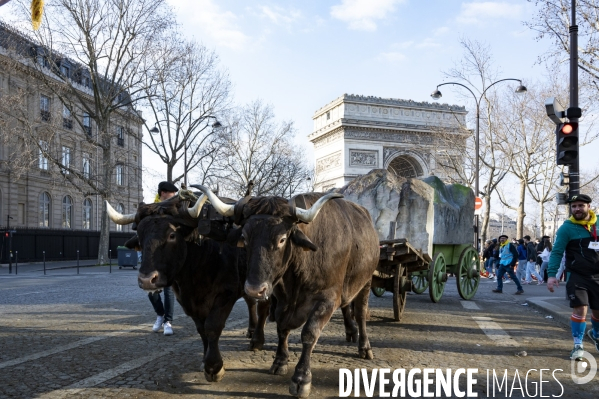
column 88, row 336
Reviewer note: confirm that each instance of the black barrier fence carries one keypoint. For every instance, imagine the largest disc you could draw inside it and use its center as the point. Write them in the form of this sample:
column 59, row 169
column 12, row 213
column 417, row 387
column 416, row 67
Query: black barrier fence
column 58, row 244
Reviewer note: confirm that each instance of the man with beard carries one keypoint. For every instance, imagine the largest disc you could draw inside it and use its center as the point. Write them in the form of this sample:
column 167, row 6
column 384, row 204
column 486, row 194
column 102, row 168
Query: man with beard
column 578, row 238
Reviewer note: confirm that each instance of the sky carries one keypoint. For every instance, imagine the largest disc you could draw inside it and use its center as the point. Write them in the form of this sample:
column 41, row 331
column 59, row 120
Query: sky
column 300, row 55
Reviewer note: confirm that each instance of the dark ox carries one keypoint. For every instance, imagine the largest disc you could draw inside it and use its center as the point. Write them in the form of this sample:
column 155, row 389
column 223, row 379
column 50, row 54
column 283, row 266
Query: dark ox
column 207, row 276
column 311, row 265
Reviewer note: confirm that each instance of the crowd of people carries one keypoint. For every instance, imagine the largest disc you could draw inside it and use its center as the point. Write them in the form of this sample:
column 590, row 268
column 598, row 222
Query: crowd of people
column 524, row 259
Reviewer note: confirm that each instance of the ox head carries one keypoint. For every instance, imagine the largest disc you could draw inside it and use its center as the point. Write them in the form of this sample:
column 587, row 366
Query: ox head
column 270, row 233
column 163, row 230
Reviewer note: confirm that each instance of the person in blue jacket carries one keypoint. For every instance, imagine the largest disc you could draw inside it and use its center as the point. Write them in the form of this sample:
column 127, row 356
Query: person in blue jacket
column 521, row 269
column 577, row 237
column 508, row 256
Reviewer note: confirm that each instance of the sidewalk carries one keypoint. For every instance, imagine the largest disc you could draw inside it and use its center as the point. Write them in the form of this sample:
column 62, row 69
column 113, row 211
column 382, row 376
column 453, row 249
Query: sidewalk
column 548, row 303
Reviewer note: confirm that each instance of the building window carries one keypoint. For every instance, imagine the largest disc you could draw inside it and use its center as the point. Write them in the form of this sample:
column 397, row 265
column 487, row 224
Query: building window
column 67, row 120
column 21, row 214
column 328, row 115
column 119, row 174
column 87, row 214
column 65, row 71
column 66, row 159
column 67, row 212
column 43, row 161
column 45, row 108
column 120, row 208
column 87, row 124
column 87, row 169
column 44, row 214
column 120, row 136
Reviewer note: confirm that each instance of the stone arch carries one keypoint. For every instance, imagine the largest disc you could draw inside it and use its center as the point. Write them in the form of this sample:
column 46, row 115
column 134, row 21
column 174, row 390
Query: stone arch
column 407, row 165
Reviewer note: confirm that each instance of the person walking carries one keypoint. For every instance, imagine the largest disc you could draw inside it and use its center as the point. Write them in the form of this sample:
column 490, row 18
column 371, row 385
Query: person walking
column 577, row 238
column 487, row 258
column 521, row 268
column 508, row 256
column 531, row 265
column 545, row 257
column 164, row 312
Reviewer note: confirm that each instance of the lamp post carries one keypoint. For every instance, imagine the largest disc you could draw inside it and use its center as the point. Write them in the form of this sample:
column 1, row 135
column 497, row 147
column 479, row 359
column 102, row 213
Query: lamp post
column 155, row 130
column 437, row 95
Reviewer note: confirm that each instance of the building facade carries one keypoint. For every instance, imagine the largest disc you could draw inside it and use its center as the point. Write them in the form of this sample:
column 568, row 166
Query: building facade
column 354, row 134
column 42, row 195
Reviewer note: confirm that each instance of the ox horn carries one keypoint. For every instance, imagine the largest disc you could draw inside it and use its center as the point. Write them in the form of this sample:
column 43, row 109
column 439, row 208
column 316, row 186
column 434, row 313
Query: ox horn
column 194, row 211
column 308, row 215
column 117, row 217
column 221, row 207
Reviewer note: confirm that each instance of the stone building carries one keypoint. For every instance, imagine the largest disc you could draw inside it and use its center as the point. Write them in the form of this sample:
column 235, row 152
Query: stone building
column 39, row 197
column 354, row 134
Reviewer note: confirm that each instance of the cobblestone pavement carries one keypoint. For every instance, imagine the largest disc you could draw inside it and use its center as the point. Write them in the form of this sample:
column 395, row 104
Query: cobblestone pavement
column 90, row 336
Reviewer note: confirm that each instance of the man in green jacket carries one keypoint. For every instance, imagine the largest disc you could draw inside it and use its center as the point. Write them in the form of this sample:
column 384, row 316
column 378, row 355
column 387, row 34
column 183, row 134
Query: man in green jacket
column 578, row 238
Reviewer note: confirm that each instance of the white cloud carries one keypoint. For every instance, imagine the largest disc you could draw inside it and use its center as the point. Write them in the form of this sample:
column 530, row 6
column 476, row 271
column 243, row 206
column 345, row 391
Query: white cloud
column 220, row 24
column 392, row 56
column 363, row 14
column 279, row 15
column 476, row 13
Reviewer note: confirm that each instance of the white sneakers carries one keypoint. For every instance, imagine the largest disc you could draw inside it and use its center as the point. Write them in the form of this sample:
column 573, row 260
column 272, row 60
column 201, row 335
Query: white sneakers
column 168, row 328
column 158, row 325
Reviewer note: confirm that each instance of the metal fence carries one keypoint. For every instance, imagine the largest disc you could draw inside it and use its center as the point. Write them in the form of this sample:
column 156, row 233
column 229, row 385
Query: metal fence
column 59, row 244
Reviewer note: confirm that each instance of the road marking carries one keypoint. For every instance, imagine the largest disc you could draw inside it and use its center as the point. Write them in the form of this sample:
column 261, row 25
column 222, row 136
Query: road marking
column 470, row 305
column 62, row 348
column 494, row 331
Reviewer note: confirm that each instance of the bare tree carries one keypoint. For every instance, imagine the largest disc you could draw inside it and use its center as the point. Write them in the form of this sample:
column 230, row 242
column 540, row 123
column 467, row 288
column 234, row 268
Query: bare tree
column 90, row 55
column 184, row 94
column 259, row 149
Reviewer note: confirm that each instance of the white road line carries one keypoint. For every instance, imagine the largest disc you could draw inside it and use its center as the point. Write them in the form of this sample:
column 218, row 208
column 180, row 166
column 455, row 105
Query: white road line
column 470, row 305
column 494, row 331
column 62, row 348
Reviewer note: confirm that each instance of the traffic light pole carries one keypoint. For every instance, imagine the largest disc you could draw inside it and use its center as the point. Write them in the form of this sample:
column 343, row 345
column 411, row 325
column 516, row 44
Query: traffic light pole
column 573, row 112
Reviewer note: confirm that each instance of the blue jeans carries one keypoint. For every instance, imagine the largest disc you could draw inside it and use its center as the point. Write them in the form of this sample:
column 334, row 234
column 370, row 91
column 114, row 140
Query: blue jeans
column 501, row 272
column 169, row 303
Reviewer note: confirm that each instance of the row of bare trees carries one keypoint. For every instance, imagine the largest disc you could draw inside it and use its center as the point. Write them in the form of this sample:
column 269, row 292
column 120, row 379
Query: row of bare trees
column 105, row 61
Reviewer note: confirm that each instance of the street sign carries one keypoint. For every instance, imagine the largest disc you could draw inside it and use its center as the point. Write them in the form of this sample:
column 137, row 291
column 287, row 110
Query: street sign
column 555, row 110
column 478, row 205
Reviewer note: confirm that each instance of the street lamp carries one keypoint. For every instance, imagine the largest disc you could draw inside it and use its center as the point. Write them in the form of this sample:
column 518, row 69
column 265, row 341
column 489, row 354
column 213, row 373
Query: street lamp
column 437, row 95
column 215, row 125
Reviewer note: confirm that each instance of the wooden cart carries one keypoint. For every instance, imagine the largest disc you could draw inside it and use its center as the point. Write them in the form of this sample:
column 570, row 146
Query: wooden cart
column 403, row 268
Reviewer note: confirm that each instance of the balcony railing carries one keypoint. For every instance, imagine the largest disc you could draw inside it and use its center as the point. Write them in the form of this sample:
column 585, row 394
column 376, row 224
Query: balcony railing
column 67, row 123
column 88, row 130
column 120, row 141
column 45, row 115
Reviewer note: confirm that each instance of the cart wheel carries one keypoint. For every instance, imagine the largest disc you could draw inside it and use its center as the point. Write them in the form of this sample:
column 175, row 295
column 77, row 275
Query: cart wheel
column 378, row 291
column 419, row 283
column 401, row 285
column 437, row 276
column 468, row 276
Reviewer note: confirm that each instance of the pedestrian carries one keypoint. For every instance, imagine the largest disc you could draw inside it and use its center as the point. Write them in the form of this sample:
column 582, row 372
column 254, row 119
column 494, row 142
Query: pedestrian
column 164, row 312
column 577, row 237
column 521, row 268
column 487, row 258
column 495, row 262
column 508, row 258
column 531, row 265
column 545, row 257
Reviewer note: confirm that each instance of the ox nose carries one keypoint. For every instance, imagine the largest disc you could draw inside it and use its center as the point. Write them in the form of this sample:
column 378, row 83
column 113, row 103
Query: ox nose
column 147, row 281
column 256, row 291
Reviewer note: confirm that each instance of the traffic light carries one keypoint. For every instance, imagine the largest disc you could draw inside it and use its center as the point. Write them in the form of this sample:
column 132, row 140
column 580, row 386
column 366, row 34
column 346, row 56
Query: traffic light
column 567, row 143
column 6, row 234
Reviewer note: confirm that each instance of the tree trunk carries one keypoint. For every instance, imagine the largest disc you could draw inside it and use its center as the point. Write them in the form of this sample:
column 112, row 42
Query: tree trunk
column 106, row 194
column 542, row 215
column 521, row 213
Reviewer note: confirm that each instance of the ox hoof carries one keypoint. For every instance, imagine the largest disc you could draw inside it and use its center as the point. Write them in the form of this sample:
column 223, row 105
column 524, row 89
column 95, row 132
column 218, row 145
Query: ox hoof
column 366, row 353
column 256, row 346
column 249, row 333
column 215, row 377
column 202, row 365
column 278, row 369
column 300, row 390
column 351, row 336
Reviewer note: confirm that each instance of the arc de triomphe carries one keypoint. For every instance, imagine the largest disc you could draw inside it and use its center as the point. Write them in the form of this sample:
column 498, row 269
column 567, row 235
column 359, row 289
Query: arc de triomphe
column 354, row 134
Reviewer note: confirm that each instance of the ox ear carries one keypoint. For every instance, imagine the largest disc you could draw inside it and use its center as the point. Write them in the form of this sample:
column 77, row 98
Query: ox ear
column 133, row 243
column 234, row 237
column 301, row 240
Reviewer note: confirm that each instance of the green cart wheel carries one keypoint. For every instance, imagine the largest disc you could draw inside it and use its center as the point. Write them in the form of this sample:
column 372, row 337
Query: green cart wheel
column 437, row 276
column 468, row 273
column 401, row 286
column 378, row 291
column 419, row 283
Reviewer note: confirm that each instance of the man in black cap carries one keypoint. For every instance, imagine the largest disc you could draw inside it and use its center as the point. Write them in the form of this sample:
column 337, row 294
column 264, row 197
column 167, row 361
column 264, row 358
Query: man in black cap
column 577, row 237
column 508, row 256
column 166, row 190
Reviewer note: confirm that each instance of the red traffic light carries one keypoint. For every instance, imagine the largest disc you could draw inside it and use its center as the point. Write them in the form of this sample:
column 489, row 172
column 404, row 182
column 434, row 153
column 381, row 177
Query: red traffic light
column 568, row 128
column 6, row 234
